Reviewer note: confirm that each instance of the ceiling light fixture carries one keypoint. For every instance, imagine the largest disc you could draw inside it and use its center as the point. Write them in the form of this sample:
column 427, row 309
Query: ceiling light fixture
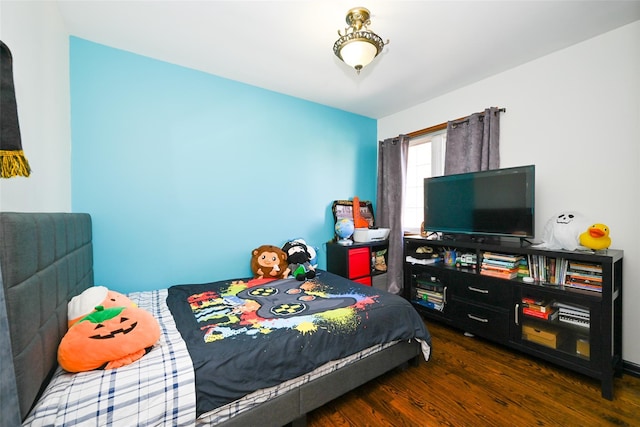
column 358, row 46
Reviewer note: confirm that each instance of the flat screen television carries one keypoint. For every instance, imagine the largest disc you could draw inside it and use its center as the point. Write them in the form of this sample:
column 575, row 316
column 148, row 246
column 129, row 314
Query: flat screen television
column 494, row 203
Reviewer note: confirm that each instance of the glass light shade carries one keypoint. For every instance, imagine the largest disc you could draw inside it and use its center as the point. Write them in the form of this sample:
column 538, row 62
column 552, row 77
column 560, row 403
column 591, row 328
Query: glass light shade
column 358, row 53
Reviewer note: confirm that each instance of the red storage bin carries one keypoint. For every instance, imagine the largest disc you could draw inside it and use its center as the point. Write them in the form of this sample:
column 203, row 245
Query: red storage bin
column 354, row 262
column 359, row 263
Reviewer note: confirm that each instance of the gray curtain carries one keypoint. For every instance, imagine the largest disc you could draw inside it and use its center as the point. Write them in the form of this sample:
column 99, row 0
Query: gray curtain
column 9, row 406
column 473, row 143
column 392, row 173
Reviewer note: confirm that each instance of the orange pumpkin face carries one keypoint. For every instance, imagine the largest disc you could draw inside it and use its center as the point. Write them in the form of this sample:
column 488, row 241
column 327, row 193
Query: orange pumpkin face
column 108, row 338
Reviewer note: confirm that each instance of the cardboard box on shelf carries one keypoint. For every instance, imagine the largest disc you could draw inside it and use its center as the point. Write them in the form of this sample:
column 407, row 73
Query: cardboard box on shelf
column 583, row 347
column 539, row 335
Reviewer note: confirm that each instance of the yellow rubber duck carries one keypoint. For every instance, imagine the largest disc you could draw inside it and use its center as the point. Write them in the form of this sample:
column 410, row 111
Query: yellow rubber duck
column 596, row 237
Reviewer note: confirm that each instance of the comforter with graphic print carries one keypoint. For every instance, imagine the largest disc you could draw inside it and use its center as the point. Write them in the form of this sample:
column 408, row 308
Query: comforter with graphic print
column 246, row 335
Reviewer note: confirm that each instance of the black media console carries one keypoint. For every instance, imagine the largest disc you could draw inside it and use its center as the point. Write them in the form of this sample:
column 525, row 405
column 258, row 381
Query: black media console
column 561, row 306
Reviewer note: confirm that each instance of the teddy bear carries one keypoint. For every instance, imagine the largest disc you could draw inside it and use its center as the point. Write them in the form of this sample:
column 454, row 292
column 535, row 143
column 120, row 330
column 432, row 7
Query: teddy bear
column 299, row 260
column 269, row 261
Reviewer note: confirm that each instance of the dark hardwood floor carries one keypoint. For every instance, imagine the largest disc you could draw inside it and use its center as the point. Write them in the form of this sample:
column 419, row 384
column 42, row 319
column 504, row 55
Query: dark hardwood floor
column 472, row 382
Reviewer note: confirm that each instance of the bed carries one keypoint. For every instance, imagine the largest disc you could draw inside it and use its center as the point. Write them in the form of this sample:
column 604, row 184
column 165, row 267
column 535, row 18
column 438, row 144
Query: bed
column 47, row 258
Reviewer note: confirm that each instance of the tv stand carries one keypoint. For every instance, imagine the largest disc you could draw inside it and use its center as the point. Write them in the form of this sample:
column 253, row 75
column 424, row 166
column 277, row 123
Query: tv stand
column 524, row 242
column 577, row 325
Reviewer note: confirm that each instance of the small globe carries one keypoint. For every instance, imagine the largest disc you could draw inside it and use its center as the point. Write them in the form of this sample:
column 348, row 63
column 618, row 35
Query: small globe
column 344, row 228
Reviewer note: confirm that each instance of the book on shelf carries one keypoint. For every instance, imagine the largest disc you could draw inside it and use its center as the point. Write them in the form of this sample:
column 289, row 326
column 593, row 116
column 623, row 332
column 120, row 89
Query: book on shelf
column 437, row 290
column 550, row 270
column 429, row 296
column 532, row 300
column 596, row 287
column 571, row 275
column 578, row 284
column 430, row 304
column 430, row 288
column 549, row 315
column 523, row 268
column 537, row 304
column 501, row 257
column 499, row 263
column 503, row 274
column 560, row 271
column 588, row 267
column 429, row 285
column 488, row 266
column 583, row 279
column 547, row 269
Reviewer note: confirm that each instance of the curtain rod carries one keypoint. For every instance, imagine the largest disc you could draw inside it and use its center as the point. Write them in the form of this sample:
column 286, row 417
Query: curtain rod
column 441, row 126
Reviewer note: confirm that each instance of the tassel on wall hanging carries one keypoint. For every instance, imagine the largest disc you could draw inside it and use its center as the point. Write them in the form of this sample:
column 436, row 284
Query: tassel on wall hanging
column 12, row 159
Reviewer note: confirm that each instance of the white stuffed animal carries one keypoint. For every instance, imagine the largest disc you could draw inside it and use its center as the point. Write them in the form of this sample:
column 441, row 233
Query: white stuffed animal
column 562, row 231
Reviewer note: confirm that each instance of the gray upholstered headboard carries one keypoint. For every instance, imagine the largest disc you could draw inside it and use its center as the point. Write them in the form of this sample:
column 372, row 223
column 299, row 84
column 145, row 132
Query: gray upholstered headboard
column 45, row 259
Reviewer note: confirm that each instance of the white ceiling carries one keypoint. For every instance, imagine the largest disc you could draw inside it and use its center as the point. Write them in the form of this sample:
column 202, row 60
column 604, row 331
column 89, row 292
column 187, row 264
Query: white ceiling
column 286, row 46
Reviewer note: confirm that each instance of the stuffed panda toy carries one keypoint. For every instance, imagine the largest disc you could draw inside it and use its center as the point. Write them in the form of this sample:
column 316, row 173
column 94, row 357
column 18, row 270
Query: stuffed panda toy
column 299, row 258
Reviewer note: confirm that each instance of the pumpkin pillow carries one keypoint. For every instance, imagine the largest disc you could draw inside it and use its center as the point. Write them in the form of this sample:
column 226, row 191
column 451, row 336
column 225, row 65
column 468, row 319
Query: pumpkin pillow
column 83, row 304
column 108, row 338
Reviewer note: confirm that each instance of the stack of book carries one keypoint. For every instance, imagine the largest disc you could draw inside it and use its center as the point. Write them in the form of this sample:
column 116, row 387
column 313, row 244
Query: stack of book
column 547, row 269
column 500, row 265
column 539, row 308
column 573, row 314
column 523, row 268
column 430, row 293
column 584, row 276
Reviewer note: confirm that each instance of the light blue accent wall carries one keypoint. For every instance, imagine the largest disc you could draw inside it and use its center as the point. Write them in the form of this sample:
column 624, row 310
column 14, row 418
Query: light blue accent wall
column 184, row 172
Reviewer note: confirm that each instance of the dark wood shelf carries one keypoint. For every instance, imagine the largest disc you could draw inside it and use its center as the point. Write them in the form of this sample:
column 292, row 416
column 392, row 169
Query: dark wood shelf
column 355, row 262
column 492, row 307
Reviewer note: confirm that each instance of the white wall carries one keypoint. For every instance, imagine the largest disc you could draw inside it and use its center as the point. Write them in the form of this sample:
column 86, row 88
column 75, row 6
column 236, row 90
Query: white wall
column 575, row 114
column 40, row 46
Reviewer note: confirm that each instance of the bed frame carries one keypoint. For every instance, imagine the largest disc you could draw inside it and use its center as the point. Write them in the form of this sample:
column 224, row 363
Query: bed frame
column 47, row 258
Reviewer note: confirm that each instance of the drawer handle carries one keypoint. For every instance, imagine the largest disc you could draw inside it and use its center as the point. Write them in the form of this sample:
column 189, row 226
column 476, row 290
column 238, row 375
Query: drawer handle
column 478, row 290
column 476, row 318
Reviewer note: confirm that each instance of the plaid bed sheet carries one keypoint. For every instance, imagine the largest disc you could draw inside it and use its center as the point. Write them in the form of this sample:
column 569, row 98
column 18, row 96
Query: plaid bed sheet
column 158, row 389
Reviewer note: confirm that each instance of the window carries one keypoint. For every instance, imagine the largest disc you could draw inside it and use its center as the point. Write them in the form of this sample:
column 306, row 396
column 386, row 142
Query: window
column 425, row 159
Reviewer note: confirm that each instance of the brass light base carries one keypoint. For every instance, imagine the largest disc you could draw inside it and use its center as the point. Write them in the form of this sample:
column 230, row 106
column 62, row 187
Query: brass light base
column 357, row 17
